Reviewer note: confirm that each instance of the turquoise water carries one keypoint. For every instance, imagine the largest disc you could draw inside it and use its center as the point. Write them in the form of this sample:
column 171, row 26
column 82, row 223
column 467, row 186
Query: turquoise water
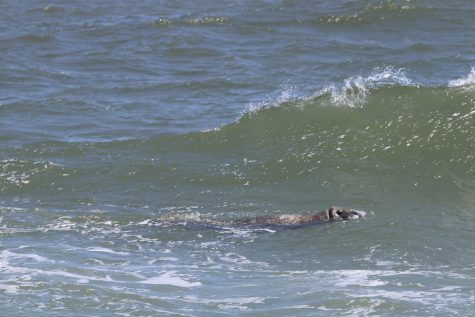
column 125, row 129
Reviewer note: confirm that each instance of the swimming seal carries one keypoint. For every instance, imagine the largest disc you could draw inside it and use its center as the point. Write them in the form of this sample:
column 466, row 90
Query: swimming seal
column 332, row 213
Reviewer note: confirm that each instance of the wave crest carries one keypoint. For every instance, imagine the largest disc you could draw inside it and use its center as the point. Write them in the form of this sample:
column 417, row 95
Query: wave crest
column 354, row 90
column 468, row 80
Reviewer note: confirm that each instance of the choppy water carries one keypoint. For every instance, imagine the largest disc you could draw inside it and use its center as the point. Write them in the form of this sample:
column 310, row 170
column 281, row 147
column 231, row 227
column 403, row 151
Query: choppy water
column 125, row 127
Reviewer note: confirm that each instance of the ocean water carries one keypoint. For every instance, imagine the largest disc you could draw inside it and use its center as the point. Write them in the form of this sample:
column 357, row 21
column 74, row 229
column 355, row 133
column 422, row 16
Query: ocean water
column 126, row 128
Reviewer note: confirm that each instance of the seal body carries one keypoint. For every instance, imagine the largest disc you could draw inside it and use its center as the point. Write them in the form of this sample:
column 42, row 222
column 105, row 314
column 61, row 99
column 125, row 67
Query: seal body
column 333, row 213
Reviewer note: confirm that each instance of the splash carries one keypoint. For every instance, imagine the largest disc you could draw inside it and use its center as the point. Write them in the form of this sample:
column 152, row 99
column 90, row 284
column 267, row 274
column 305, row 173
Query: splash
column 285, row 94
column 468, row 80
column 351, row 93
column 354, row 91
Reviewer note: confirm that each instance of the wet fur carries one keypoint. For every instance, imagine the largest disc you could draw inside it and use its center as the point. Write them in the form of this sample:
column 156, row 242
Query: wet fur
column 330, row 214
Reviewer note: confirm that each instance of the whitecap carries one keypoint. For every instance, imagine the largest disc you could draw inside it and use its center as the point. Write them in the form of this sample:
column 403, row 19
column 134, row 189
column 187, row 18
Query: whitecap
column 6, row 254
column 468, row 80
column 358, row 277
column 170, row 278
column 354, row 91
column 105, row 250
column 285, row 93
column 351, row 93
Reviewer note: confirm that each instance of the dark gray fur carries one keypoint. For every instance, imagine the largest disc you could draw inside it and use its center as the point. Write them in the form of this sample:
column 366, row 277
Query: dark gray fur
column 330, row 214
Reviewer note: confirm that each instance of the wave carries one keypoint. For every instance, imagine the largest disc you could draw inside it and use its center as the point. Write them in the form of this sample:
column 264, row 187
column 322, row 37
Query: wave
column 389, row 121
column 383, row 124
column 379, row 128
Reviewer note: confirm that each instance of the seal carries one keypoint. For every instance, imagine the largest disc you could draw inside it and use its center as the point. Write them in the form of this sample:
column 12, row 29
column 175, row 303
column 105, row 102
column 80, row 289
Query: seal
column 329, row 214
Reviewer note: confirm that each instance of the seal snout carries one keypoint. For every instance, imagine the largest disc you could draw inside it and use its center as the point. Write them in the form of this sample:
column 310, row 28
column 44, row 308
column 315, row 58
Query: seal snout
column 347, row 213
column 354, row 214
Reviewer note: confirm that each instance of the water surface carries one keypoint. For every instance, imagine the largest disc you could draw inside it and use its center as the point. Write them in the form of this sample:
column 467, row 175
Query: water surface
column 125, row 128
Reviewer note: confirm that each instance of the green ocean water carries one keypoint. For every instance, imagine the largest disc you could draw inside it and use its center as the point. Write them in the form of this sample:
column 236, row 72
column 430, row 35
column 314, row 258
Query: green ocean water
column 126, row 129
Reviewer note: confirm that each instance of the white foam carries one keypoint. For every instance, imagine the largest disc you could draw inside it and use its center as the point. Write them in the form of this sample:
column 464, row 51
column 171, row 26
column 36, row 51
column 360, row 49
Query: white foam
column 6, row 254
column 358, row 277
column 367, row 310
column 374, row 286
column 361, row 212
column 62, row 224
column 285, row 93
column 354, row 91
column 239, row 303
column 448, row 288
column 105, row 250
column 170, row 278
column 421, row 297
column 468, row 80
column 300, row 307
column 9, row 289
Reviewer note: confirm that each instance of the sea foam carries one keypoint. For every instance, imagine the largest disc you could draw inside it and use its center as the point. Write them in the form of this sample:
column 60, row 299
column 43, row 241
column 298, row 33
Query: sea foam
column 170, row 278
column 468, row 80
column 354, row 90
